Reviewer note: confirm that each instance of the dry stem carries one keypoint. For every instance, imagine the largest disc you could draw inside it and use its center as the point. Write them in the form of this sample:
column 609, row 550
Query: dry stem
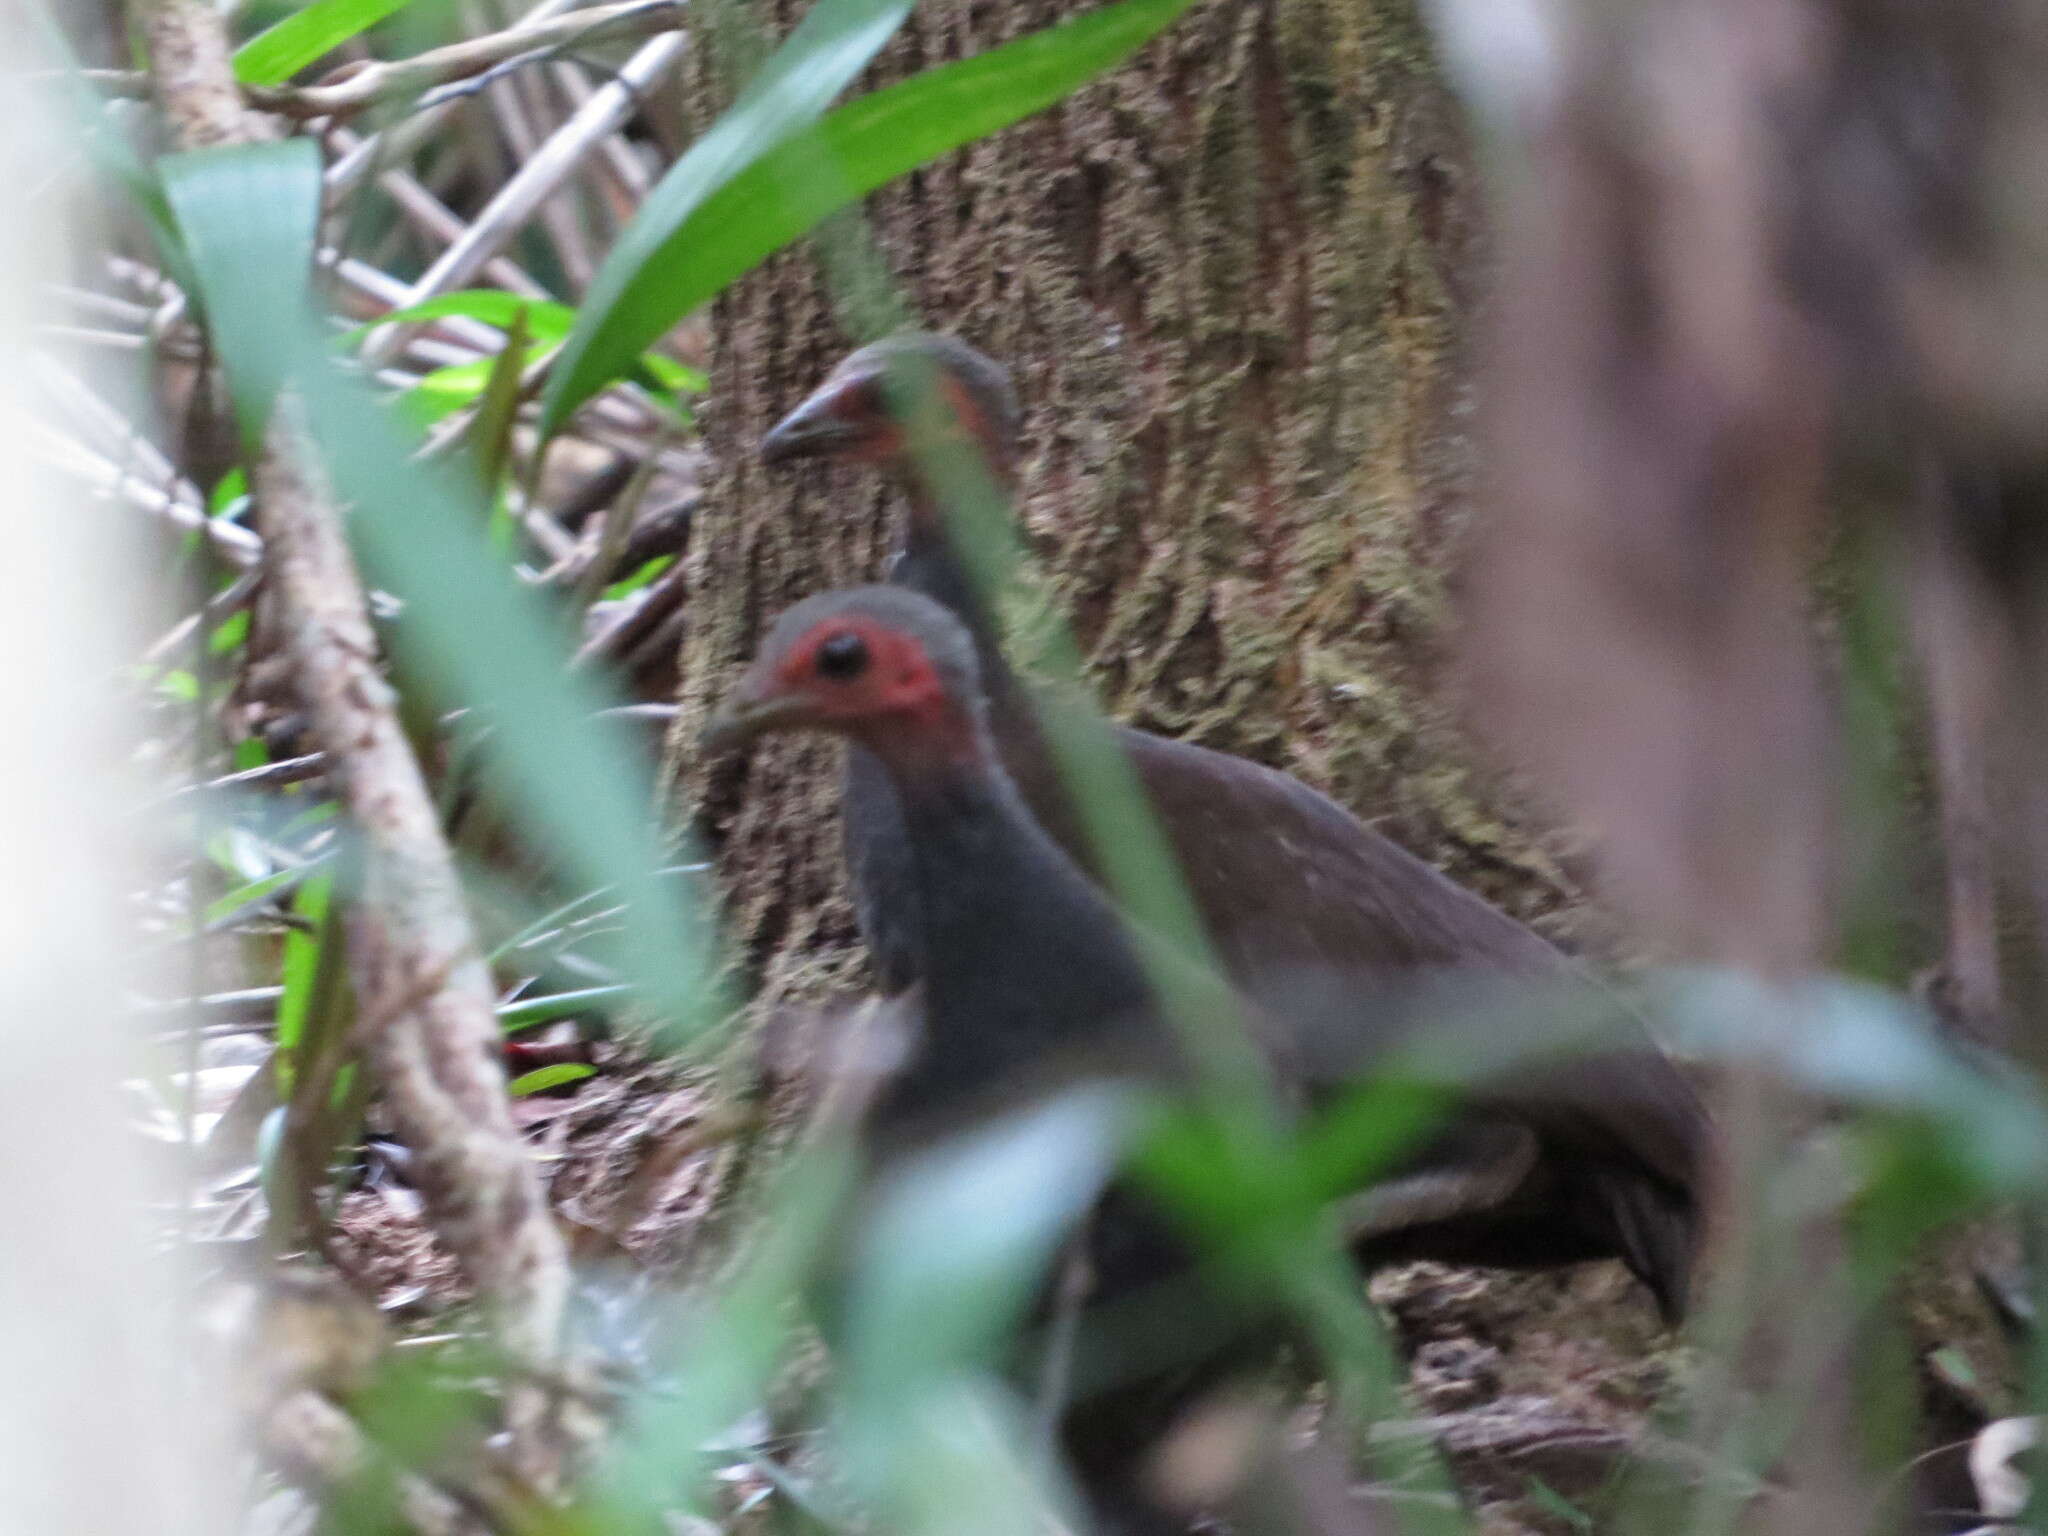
column 430, row 1030
column 355, row 88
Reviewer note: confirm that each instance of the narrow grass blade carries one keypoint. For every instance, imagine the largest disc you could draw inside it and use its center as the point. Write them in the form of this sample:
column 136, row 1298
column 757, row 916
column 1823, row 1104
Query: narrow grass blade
column 248, row 215
column 689, row 242
column 277, row 53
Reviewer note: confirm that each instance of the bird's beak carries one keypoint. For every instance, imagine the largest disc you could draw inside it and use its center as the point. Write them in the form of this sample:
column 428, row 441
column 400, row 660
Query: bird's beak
column 813, row 430
column 751, row 711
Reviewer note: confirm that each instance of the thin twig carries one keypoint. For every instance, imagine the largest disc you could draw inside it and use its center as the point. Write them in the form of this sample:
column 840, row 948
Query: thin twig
column 290, row 770
column 662, row 601
column 86, row 336
column 436, row 1062
column 243, row 1007
column 395, row 145
column 104, row 305
column 618, row 529
column 519, row 102
column 233, row 543
column 536, row 181
column 1959, row 654
column 1071, row 1289
column 321, row 1445
column 231, row 599
column 355, row 88
column 628, row 167
column 433, row 218
column 116, row 429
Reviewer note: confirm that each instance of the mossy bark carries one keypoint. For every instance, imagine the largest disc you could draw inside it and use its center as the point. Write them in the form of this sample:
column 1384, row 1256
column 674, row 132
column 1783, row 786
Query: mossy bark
column 1234, row 279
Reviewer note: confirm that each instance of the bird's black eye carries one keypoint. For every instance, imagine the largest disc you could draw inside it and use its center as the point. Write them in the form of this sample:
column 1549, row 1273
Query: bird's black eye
column 843, row 655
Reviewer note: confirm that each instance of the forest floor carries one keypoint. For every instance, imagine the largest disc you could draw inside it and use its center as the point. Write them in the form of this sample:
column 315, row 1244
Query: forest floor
column 1535, row 1387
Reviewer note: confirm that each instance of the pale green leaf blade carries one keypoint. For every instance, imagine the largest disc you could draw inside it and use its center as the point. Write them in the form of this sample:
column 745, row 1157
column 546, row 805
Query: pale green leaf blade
column 817, row 61
column 554, row 1075
column 547, row 319
column 248, row 215
column 960, row 1235
column 575, row 775
column 277, row 53
column 666, row 266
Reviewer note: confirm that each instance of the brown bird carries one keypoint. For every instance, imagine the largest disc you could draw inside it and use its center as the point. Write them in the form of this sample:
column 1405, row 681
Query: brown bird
column 1031, row 980
column 1022, row 960
column 1285, row 880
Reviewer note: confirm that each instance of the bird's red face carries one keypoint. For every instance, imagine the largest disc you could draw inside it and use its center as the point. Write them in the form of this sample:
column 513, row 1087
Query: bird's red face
column 855, row 417
column 849, row 674
column 845, row 419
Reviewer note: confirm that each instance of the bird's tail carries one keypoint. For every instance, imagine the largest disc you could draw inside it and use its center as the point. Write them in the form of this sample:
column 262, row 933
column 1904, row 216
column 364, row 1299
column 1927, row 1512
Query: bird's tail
column 1655, row 1232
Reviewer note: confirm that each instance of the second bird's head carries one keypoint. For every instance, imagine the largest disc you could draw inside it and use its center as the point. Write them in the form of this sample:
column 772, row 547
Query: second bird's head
column 862, row 413
column 881, row 666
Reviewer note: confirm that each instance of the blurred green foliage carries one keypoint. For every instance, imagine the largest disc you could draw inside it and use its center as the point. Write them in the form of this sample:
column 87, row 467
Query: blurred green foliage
column 921, row 1419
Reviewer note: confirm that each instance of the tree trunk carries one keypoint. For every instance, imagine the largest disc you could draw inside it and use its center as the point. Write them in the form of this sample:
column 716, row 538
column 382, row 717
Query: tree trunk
column 1234, row 280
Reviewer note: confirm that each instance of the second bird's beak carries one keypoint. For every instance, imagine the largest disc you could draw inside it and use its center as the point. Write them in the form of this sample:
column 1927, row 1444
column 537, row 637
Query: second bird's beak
column 808, row 432
column 750, row 712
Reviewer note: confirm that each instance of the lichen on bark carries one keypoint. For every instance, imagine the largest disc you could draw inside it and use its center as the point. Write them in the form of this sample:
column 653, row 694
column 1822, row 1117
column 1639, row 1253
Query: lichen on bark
column 1233, row 279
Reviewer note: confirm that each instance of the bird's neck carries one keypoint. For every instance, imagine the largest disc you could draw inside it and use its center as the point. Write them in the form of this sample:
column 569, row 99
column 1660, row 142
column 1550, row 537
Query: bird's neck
column 931, row 562
column 1023, row 957
column 977, row 849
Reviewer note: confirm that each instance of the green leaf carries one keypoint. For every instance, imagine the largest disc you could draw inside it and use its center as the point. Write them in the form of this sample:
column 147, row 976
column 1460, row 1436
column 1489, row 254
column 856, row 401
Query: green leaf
column 542, row 1078
column 962, row 1234
column 317, row 814
column 817, row 61
column 274, row 55
column 302, row 960
column 230, row 634
column 446, row 390
column 1956, row 1365
column 249, row 214
column 529, row 1011
column 1547, row 1498
column 548, row 323
column 695, row 236
column 626, row 586
column 473, row 635
column 179, row 684
column 546, row 319
column 228, row 492
column 497, row 415
column 671, row 377
column 247, row 895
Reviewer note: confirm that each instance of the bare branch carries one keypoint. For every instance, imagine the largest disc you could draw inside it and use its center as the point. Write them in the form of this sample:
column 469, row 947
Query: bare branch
column 433, row 1046
column 434, row 218
column 235, row 544
column 322, row 1446
column 429, row 1010
column 357, row 87
column 193, row 76
column 536, row 181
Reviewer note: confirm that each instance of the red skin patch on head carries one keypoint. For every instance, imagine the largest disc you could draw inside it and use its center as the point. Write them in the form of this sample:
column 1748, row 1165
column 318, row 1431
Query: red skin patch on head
column 857, row 402
column 878, row 437
column 896, row 706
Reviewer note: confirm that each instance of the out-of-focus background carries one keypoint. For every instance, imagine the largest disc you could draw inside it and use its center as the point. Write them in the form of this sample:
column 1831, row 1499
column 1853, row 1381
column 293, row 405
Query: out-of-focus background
column 1602, row 447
